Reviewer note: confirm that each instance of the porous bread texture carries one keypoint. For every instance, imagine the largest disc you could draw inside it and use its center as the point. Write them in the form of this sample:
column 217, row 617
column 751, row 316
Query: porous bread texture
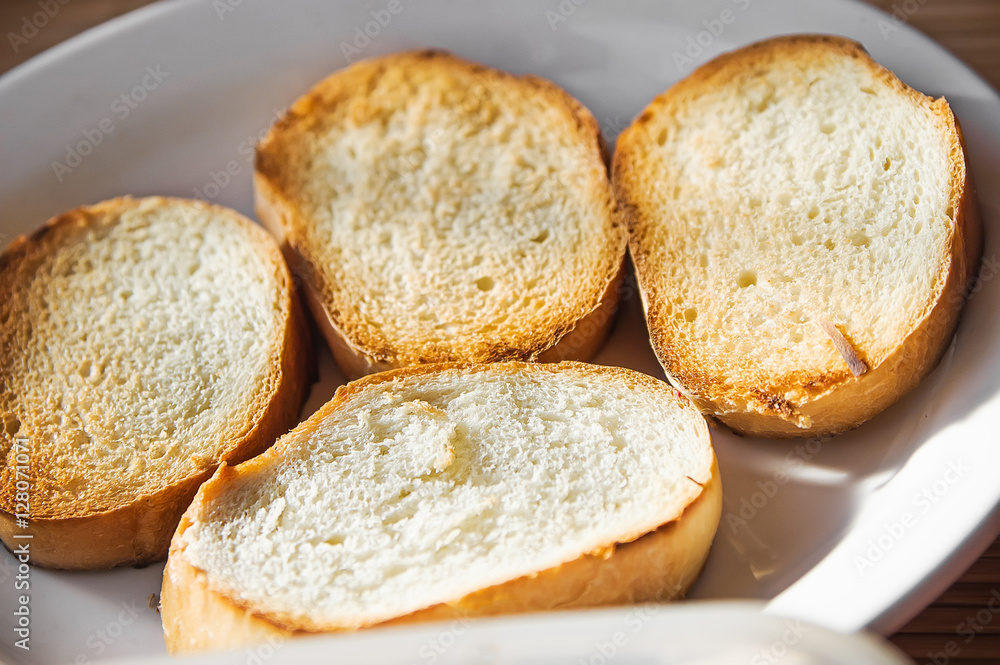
column 442, row 210
column 781, row 189
column 415, row 489
column 143, row 342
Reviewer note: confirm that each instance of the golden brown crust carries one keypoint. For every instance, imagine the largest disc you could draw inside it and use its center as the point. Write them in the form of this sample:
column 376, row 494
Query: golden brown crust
column 138, row 530
column 805, row 402
column 581, row 342
column 360, row 348
column 657, row 565
column 198, row 619
column 589, row 334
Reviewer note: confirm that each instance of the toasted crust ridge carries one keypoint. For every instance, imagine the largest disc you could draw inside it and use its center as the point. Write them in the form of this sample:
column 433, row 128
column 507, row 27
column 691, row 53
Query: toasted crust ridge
column 388, row 116
column 800, row 380
column 658, row 562
column 99, row 496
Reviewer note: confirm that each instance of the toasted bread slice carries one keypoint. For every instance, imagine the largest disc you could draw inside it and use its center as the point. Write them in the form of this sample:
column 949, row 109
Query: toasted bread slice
column 804, row 233
column 450, row 490
column 144, row 341
column 440, row 210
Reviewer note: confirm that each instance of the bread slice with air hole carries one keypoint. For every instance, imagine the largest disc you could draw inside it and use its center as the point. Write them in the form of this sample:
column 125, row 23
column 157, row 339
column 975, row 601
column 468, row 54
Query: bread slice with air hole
column 804, row 233
column 144, row 341
column 441, row 210
column 449, row 490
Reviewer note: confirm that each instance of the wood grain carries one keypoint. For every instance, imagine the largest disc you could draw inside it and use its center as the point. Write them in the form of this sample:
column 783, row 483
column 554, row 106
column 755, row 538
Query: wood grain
column 968, row 28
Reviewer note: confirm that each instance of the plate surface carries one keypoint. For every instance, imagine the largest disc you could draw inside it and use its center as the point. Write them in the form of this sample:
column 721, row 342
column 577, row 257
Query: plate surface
column 859, row 530
column 706, row 633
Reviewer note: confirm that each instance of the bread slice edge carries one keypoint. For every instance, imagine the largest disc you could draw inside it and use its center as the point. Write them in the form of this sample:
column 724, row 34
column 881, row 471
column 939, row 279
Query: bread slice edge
column 579, row 339
column 657, row 567
column 659, row 564
column 843, row 402
column 139, row 533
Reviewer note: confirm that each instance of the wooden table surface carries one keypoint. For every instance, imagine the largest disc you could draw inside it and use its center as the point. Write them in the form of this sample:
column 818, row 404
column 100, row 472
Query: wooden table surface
column 960, row 626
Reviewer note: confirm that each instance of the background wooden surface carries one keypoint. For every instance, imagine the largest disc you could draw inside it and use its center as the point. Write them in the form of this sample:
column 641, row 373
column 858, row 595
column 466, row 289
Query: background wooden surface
column 960, row 627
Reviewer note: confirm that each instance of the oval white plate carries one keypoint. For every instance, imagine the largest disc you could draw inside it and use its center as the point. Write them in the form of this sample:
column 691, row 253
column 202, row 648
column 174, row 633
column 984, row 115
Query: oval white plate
column 856, row 531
